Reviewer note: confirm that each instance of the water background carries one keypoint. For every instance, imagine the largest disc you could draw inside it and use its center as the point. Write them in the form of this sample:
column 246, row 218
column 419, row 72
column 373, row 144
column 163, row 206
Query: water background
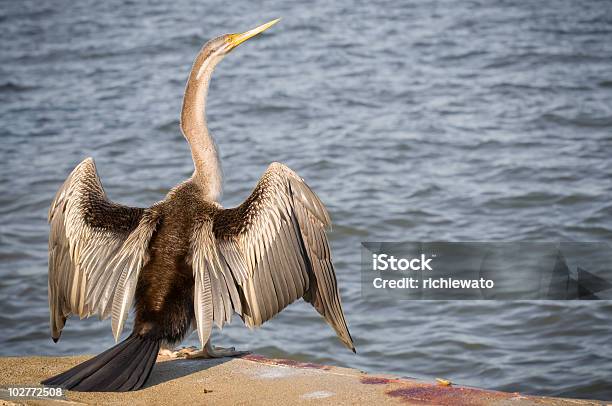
column 444, row 120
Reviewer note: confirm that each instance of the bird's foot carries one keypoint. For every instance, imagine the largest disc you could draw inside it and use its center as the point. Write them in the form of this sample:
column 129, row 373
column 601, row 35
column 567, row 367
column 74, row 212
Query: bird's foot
column 209, row 351
column 165, row 352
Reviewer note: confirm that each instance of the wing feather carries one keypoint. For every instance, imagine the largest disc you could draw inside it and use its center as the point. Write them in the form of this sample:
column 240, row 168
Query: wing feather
column 215, row 290
column 275, row 247
column 203, row 306
column 96, row 249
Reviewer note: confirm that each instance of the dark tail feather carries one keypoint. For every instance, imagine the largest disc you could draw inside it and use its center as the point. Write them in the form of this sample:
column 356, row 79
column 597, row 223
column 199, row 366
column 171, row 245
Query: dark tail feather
column 124, row 367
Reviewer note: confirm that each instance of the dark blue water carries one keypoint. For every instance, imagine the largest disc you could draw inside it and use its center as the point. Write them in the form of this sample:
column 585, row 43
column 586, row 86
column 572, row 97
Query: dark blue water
column 460, row 121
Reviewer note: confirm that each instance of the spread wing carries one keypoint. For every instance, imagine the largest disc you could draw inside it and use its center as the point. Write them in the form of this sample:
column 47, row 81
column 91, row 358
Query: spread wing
column 96, row 250
column 261, row 256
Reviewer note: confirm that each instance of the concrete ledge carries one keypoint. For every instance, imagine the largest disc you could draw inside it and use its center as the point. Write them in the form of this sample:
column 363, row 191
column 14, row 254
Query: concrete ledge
column 255, row 379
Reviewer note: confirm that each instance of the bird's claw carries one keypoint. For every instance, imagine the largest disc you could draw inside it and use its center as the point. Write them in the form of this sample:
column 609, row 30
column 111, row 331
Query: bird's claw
column 219, row 352
column 209, row 351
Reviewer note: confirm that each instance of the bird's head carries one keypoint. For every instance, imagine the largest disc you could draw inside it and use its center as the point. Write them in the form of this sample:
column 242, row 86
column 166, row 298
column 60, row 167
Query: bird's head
column 214, row 50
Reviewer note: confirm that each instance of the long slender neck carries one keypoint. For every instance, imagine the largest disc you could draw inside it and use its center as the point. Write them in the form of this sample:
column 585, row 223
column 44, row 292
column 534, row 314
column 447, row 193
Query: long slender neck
column 207, row 172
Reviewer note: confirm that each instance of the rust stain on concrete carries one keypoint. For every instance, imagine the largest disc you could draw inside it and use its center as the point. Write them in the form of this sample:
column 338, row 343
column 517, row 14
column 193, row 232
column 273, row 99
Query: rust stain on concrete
column 380, row 380
column 447, row 395
column 374, row 380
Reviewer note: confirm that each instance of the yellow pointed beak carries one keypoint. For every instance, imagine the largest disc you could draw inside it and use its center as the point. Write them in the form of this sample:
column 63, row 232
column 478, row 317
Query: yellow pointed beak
column 237, row 39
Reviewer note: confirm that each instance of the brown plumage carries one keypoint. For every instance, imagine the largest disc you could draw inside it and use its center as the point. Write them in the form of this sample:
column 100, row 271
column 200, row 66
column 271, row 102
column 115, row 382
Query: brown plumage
column 186, row 262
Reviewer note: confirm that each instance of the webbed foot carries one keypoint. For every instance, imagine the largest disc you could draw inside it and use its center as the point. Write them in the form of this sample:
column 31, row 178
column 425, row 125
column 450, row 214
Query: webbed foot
column 209, row 351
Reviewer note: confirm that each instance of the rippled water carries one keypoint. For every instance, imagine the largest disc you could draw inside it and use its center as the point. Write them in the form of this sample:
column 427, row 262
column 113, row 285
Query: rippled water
column 412, row 121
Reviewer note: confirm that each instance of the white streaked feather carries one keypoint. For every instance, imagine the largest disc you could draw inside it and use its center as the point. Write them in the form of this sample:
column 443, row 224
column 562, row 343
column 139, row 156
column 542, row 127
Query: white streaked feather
column 203, row 307
column 280, row 240
column 133, row 253
column 82, row 258
column 212, row 277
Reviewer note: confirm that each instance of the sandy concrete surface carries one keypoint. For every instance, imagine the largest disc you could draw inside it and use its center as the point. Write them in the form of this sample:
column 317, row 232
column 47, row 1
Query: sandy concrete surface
column 255, row 380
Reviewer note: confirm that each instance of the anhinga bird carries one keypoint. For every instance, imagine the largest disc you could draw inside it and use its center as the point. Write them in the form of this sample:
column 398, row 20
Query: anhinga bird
column 186, row 262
